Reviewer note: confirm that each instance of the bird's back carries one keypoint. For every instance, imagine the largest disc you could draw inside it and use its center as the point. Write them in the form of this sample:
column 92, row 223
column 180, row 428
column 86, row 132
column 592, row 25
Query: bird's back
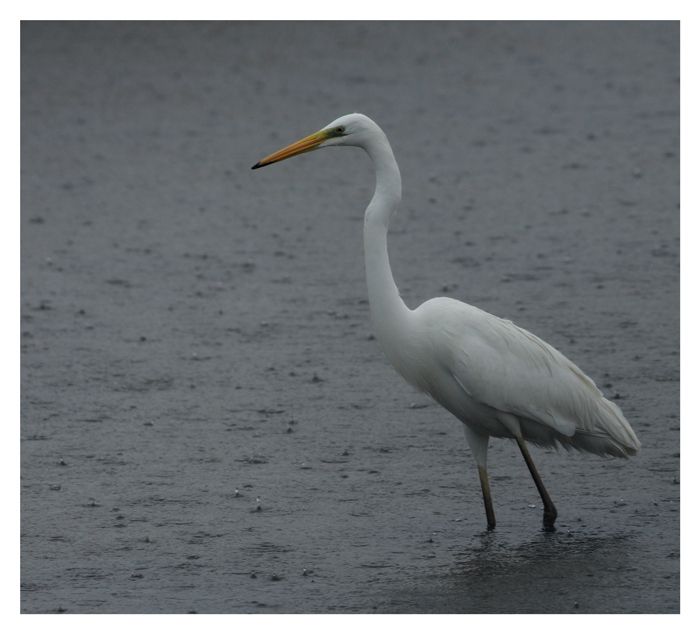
column 497, row 377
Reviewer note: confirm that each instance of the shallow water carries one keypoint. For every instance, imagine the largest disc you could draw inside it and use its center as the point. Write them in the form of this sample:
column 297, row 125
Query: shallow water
column 207, row 422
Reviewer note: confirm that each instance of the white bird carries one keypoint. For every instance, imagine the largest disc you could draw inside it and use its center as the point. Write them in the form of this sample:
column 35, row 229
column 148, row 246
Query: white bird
column 498, row 379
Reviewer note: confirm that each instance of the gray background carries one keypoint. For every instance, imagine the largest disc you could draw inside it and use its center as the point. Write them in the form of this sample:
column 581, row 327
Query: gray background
column 196, row 336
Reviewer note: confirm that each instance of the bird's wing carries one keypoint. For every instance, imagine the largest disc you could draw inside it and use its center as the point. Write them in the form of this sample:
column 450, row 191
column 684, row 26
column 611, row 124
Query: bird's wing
column 511, row 370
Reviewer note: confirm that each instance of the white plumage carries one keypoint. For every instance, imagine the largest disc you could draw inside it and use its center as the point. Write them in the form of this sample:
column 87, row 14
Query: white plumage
column 517, row 382
column 498, row 379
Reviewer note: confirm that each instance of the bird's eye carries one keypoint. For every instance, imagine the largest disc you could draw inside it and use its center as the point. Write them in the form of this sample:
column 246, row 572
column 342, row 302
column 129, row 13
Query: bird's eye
column 340, row 129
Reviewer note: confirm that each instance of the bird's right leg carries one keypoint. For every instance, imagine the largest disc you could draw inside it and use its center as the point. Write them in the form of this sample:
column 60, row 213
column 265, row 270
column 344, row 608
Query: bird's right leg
column 479, row 444
column 550, row 511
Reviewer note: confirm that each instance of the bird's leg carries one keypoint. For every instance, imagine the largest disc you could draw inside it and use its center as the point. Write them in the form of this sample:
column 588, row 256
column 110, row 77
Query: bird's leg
column 479, row 444
column 488, row 504
column 550, row 511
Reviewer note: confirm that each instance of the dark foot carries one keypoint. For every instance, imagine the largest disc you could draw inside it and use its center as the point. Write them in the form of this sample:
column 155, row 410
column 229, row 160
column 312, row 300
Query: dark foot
column 548, row 519
column 490, row 526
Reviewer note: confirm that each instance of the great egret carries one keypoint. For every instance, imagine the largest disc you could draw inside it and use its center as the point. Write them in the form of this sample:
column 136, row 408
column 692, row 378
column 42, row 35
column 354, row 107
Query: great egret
column 497, row 378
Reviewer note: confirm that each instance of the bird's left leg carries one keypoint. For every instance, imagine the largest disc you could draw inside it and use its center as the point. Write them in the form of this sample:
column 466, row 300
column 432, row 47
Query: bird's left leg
column 550, row 511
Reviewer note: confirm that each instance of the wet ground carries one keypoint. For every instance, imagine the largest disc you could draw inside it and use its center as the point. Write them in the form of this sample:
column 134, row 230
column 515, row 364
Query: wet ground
column 208, row 424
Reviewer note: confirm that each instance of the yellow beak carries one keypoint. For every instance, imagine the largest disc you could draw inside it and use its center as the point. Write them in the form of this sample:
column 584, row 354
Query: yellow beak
column 306, row 144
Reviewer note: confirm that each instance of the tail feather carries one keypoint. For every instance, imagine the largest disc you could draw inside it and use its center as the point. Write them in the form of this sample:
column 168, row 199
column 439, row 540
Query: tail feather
column 620, row 429
column 610, row 434
column 599, row 444
column 603, row 430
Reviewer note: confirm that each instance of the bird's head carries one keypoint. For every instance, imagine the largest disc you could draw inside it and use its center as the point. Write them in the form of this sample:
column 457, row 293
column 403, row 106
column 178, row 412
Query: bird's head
column 350, row 129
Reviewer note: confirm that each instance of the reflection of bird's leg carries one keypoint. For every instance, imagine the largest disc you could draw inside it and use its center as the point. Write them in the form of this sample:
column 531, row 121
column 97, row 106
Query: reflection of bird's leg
column 488, row 504
column 550, row 511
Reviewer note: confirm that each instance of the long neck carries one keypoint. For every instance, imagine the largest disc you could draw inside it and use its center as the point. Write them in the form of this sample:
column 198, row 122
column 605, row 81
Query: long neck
column 389, row 313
